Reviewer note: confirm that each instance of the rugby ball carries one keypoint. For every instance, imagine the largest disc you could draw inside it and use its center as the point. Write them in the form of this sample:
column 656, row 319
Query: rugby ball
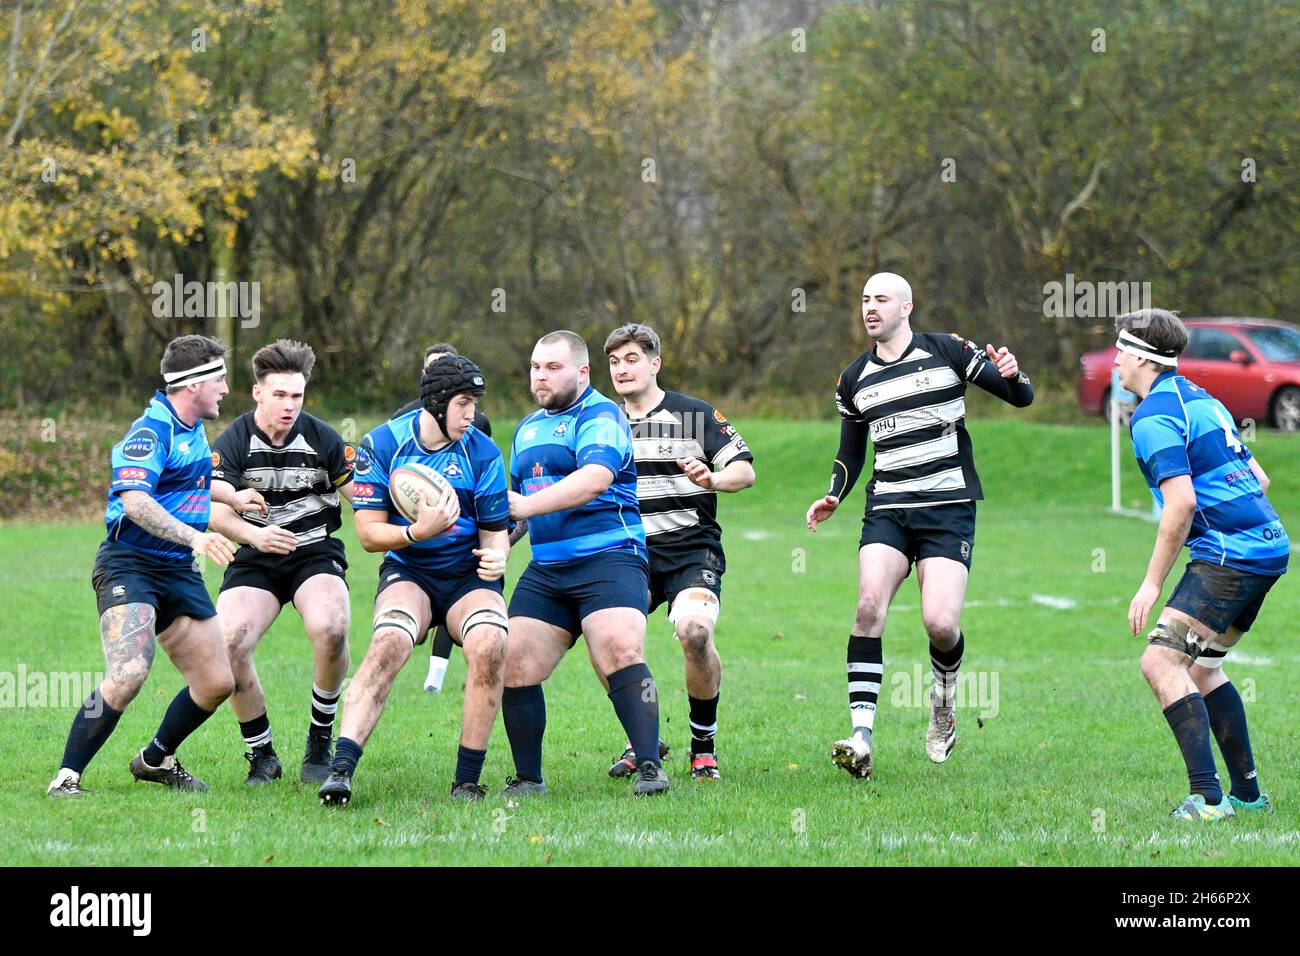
column 409, row 483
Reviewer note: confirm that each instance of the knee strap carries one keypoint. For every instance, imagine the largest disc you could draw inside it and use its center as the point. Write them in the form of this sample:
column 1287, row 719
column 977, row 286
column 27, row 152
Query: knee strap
column 401, row 619
column 1178, row 636
column 1213, row 655
column 484, row 615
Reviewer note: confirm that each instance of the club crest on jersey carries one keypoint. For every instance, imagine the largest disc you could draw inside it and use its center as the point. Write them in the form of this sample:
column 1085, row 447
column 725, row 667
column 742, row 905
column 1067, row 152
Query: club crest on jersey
column 561, row 429
column 140, row 444
column 363, row 461
column 452, row 470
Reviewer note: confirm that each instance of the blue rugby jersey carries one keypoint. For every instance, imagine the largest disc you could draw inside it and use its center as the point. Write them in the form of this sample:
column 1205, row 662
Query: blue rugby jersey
column 1180, row 429
column 172, row 462
column 472, row 465
column 549, row 446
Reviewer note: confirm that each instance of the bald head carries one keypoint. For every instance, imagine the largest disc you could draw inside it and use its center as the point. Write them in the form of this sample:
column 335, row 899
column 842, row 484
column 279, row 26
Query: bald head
column 886, row 305
column 888, row 282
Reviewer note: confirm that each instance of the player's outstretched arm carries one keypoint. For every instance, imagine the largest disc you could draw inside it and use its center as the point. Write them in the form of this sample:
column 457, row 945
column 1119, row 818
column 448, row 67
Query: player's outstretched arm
column 436, row 516
column 737, row 476
column 250, row 499
column 586, row 484
column 1175, row 522
column 152, row 517
column 1000, row 375
column 270, row 539
column 850, row 458
column 1260, row 475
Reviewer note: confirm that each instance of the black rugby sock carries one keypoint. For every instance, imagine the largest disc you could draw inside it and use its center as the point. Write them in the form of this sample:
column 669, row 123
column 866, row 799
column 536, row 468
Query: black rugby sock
column 1191, row 726
column 523, row 711
column 183, row 717
column 90, row 730
column 1228, row 721
column 635, row 698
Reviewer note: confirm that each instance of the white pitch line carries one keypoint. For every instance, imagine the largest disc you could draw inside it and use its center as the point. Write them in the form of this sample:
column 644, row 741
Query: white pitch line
column 756, row 535
column 1060, row 603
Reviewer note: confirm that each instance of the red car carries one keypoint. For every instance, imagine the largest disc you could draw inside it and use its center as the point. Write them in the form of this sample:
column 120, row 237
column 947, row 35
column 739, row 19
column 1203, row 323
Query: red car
column 1251, row 365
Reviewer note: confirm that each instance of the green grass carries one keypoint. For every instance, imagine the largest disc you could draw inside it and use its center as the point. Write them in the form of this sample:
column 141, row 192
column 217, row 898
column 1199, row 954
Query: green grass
column 1076, row 767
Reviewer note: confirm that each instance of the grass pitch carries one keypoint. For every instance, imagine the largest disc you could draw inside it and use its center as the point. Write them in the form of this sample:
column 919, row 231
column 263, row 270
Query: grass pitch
column 1073, row 763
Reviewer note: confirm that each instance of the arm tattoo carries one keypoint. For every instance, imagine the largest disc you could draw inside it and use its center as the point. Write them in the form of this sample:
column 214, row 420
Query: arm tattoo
column 519, row 531
column 127, row 634
column 152, row 517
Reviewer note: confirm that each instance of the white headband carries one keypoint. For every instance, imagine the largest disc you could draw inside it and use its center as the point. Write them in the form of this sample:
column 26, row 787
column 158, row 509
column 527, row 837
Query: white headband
column 199, row 373
column 1128, row 342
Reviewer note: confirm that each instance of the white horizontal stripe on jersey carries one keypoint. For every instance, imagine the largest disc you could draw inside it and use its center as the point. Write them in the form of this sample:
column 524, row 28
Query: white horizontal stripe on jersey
column 299, row 444
column 728, row 451
column 666, row 449
column 944, row 413
column 670, row 521
column 949, row 480
column 312, row 536
column 912, row 383
column 649, row 487
column 285, row 479
column 945, row 446
column 922, row 504
column 294, row 510
column 912, row 356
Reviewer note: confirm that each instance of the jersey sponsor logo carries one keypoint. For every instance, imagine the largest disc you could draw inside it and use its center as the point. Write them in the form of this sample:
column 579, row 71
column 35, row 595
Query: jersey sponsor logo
column 728, row 430
column 140, row 444
column 132, row 474
column 349, row 454
column 1274, row 533
column 884, row 426
column 740, row 444
column 722, row 419
column 216, row 459
column 363, row 491
column 537, row 470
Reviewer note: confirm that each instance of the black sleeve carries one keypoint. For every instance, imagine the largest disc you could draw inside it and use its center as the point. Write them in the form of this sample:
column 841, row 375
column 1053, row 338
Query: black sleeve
column 228, row 454
column 850, row 458
column 854, row 432
column 971, row 363
column 482, row 424
column 338, row 457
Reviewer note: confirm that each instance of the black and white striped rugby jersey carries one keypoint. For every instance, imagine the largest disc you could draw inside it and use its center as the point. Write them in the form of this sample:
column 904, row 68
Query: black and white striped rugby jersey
column 676, row 512
column 299, row 479
column 914, row 410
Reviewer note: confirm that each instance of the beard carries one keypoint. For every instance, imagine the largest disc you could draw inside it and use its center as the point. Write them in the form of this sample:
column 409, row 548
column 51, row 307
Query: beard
column 559, row 399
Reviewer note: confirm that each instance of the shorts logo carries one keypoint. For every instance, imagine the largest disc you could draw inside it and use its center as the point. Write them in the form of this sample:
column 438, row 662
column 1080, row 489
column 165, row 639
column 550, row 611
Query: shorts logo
column 140, row 444
column 392, row 577
column 337, row 567
column 965, row 550
column 708, row 577
column 561, row 429
column 119, row 591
